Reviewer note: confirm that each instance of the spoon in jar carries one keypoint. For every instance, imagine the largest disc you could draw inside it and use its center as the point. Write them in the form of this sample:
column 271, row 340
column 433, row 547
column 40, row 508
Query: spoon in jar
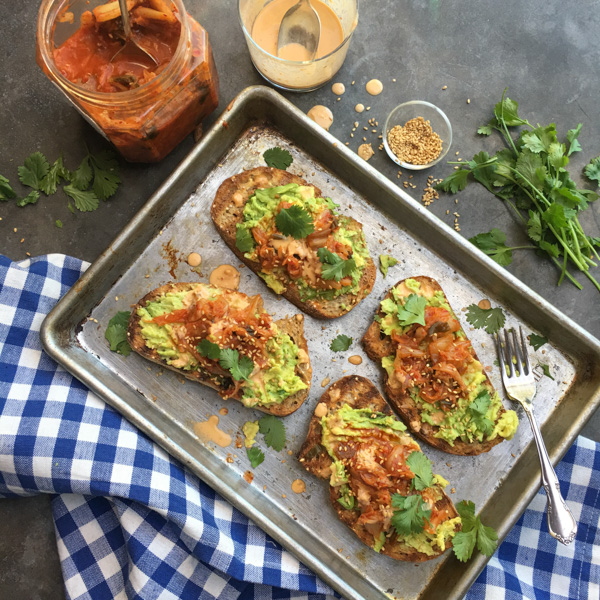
column 299, row 32
column 130, row 44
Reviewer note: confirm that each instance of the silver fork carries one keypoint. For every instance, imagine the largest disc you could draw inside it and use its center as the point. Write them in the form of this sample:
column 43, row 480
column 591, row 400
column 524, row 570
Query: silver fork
column 520, row 386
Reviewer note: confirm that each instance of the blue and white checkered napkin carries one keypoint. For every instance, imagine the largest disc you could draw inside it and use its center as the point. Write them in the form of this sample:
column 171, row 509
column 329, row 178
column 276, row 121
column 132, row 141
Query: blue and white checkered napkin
column 133, row 523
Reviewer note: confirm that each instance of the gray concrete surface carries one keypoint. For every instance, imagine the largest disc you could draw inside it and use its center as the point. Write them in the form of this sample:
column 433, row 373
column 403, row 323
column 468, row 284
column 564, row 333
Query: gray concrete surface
column 544, row 51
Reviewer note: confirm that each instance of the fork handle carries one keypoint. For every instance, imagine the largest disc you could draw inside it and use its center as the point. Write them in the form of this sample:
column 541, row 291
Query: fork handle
column 561, row 522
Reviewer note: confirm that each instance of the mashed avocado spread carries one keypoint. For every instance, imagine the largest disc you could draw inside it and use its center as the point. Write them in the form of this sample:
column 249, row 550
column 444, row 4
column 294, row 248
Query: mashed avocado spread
column 268, row 386
column 353, row 424
column 475, row 415
column 260, row 212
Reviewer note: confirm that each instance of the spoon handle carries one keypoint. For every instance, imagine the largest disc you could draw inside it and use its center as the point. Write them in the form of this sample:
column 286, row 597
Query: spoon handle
column 125, row 18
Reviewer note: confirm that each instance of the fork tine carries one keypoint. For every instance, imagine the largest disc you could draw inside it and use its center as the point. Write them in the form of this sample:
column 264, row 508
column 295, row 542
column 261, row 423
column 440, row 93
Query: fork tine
column 525, row 353
column 518, row 352
column 508, row 354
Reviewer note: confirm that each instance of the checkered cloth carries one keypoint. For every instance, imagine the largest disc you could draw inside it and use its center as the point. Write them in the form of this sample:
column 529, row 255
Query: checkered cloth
column 133, row 523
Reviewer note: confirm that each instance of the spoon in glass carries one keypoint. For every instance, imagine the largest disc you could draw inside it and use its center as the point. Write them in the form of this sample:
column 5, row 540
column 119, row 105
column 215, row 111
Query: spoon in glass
column 130, row 44
column 299, row 32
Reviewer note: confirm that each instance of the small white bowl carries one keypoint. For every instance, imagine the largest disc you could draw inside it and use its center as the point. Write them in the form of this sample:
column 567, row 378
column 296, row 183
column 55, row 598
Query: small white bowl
column 410, row 110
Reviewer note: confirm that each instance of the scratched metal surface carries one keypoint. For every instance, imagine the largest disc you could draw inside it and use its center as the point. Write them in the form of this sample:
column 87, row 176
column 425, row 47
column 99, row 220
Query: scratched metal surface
column 152, row 251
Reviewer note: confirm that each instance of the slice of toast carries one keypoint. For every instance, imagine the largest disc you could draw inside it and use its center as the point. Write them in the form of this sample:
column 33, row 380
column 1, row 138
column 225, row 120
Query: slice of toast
column 360, row 393
column 378, row 346
column 293, row 326
column 227, row 211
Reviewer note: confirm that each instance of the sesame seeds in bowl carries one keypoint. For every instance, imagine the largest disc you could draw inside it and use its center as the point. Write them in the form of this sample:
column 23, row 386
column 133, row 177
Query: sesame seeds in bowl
column 417, row 135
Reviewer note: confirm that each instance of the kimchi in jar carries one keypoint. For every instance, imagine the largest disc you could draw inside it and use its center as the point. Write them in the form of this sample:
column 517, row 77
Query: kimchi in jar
column 143, row 101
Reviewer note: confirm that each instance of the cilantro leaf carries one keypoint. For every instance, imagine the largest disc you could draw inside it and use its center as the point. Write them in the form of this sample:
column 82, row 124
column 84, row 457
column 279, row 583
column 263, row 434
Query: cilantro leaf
column 255, row 456
column 537, row 341
column 473, row 532
column 334, row 267
column 58, row 223
column 82, row 175
column 487, row 129
column 492, row 244
column 341, row 343
column 483, row 172
column 463, row 544
column 209, row 349
column 239, row 367
column 106, row 174
column 273, row 430
column 546, row 369
column 386, row 261
column 295, row 221
column 466, row 511
column 487, row 539
column 420, row 465
column 34, row 170
column 572, row 135
column 456, row 182
column 492, row 319
column 409, row 516
column 31, row 198
column 478, row 411
column 506, row 111
column 116, row 333
column 592, row 169
column 244, row 241
column 278, row 158
column 413, row 311
column 85, row 201
column 6, row 192
column 57, row 172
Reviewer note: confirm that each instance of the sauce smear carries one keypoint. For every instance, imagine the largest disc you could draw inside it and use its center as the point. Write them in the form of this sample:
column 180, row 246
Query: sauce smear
column 225, row 276
column 208, row 431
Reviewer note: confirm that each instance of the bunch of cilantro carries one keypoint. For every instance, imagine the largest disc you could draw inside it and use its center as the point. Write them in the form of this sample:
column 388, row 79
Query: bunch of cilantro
column 95, row 179
column 530, row 175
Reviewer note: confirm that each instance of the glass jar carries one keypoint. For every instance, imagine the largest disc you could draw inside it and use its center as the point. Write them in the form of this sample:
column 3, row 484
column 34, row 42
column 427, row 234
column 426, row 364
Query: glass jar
column 146, row 122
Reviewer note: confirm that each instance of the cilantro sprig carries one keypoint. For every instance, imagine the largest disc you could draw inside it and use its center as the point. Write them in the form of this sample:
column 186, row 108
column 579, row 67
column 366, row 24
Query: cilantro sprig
column 240, row 367
column 100, row 171
column 341, row 343
column 490, row 319
column 410, row 514
column 334, row 267
column 278, row 158
column 413, row 311
column 244, row 241
column 537, row 341
column 478, row 410
column 473, row 533
column 295, row 221
column 255, row 456
column 116, row 333
column 493, row 244
column 273, row 430
column 530, row 174
column 420, row 465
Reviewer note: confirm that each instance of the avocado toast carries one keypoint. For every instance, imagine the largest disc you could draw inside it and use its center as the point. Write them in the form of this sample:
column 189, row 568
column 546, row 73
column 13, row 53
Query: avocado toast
column 226, row 340
column 381, row 484
column 294, row 239
column 432, row 376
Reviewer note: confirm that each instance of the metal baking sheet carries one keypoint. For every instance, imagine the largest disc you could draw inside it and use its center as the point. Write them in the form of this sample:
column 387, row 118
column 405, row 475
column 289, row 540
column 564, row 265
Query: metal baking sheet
column 152, row 250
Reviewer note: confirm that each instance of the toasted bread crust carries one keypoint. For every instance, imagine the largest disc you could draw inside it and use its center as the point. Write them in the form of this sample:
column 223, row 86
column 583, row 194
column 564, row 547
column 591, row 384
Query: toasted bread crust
column 227, row 211
column 377, row 345
column 358, row 392
column 293, row 326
